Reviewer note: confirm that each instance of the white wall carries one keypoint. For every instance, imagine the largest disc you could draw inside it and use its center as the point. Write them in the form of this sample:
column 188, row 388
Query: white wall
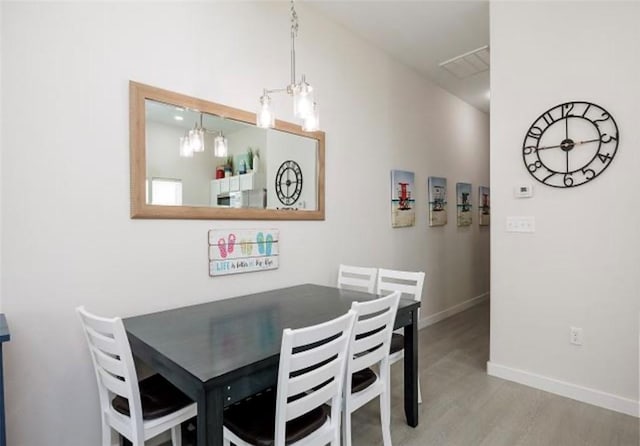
column 67, row 238
column 1, row 146
column 581, row 267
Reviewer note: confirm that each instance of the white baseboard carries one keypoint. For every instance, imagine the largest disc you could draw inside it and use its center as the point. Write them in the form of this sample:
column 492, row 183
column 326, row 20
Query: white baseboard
column 584, row 394
column 437, row 317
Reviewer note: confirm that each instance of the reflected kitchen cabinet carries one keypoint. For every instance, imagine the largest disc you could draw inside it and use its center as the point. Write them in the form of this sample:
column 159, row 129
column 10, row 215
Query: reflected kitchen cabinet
column 222, row 188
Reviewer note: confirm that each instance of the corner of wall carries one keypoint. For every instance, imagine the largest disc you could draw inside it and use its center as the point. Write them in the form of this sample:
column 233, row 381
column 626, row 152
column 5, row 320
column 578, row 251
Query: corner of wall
column 1, row 151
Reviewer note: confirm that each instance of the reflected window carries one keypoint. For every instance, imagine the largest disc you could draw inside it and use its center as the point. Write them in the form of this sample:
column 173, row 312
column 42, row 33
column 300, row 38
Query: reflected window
column 166, row 191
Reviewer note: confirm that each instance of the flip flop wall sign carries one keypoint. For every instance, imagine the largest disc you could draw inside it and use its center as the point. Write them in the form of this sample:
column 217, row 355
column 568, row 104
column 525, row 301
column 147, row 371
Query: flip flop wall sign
column 242, row 251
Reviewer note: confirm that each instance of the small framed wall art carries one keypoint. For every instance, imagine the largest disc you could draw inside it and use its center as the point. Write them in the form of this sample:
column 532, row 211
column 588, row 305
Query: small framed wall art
column 484, row 206
column 402, row 199
column 242, row 251
column 463, row 204
column 437, row 187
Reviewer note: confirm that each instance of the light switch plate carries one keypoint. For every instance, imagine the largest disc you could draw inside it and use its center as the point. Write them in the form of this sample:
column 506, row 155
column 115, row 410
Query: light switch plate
column 521, row 224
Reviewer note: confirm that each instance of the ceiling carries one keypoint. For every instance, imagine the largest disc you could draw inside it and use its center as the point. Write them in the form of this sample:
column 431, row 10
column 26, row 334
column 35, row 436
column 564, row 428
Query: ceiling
column 170, row 115
column 421, row 34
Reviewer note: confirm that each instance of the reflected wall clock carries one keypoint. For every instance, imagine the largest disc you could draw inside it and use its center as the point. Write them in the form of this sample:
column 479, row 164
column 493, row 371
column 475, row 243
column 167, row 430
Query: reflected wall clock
column 289, row 182
column 570, row 144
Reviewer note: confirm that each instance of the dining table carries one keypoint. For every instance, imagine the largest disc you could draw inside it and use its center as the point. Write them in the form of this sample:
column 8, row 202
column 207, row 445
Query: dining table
column 223, row 351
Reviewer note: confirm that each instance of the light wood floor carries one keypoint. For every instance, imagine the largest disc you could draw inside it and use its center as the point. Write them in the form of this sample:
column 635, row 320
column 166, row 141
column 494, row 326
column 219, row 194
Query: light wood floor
column 463, row 406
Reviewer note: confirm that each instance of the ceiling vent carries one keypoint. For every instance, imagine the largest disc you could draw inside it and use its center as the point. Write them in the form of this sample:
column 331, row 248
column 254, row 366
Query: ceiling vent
column 468, row 64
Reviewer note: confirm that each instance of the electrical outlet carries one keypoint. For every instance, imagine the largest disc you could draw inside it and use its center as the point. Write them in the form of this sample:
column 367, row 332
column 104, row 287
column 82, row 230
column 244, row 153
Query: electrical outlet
column 575, row 335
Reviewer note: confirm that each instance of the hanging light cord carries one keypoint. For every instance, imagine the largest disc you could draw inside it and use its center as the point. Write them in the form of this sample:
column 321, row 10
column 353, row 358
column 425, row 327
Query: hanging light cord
column 294, row 34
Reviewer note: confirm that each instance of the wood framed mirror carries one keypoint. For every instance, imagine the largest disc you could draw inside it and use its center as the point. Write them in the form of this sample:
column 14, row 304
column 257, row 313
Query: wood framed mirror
column 267, row 174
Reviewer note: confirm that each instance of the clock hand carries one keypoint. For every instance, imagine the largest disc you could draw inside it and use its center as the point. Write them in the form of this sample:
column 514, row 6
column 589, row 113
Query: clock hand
column 577, row 143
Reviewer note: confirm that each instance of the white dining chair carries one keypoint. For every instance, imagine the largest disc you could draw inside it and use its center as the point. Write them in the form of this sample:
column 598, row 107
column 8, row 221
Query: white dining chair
column 409, row 284
column 357, row 278
column 137, row 411
column 369, row 347
column 310, row 376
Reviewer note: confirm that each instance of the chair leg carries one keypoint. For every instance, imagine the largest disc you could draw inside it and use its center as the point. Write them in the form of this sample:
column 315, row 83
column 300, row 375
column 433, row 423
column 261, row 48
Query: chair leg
column 336, row 438
column 176, row 436
column 385, row 411
column 346, row 427
column 107, row 435
column 386, row 426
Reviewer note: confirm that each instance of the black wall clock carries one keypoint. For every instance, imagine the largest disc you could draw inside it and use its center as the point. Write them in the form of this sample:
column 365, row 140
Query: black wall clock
column 289, row 182
column 570, row 144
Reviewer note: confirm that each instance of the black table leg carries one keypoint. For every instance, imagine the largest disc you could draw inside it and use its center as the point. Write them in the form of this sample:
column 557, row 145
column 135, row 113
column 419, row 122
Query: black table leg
column 411, row 371
column 210, row 418
column 3, row 439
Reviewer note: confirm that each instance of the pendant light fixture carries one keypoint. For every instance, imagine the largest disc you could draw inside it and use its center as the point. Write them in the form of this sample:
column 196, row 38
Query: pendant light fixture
column 193, row 141
column 220, row 145
column 304, row 104
column 196, row 137
column 185, row 146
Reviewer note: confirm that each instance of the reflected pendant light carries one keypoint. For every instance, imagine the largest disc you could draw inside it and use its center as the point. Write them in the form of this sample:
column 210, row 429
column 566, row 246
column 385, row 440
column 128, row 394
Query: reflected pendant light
column 196, row 137
column 185, row 147
column 304, row 105
column 220, row 146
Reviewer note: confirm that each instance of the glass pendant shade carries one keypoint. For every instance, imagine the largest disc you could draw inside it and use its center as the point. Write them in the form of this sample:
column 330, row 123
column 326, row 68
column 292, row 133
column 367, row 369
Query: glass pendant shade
column 265, row 117
column 305, row 107
column 220, row 146
column 185, row 147
column 303, row 100
column 312, row 122
column 196, row 139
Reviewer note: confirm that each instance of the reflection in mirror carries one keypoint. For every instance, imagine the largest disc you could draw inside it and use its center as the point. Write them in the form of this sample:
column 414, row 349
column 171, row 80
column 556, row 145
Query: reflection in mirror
column 195, row 159
column 240, row 178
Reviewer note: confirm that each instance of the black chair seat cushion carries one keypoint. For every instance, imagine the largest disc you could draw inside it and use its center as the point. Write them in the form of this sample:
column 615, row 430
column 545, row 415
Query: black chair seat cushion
column 362, row 379
column 158, row 397
column 254, row 420
column 397, row 343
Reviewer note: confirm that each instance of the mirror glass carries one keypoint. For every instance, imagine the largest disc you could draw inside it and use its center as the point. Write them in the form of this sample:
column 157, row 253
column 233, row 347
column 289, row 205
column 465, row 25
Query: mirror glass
column 266, row 173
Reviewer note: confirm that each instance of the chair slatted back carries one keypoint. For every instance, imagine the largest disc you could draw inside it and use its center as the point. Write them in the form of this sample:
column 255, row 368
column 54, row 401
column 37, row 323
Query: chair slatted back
column 407, row 282
column 113, row 364
column 311, row 371
column 357, row 278
column 371, row 336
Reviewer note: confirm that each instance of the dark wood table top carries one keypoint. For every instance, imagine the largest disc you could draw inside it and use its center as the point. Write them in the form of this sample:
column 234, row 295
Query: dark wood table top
column 4, row 329
column 213, row 339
